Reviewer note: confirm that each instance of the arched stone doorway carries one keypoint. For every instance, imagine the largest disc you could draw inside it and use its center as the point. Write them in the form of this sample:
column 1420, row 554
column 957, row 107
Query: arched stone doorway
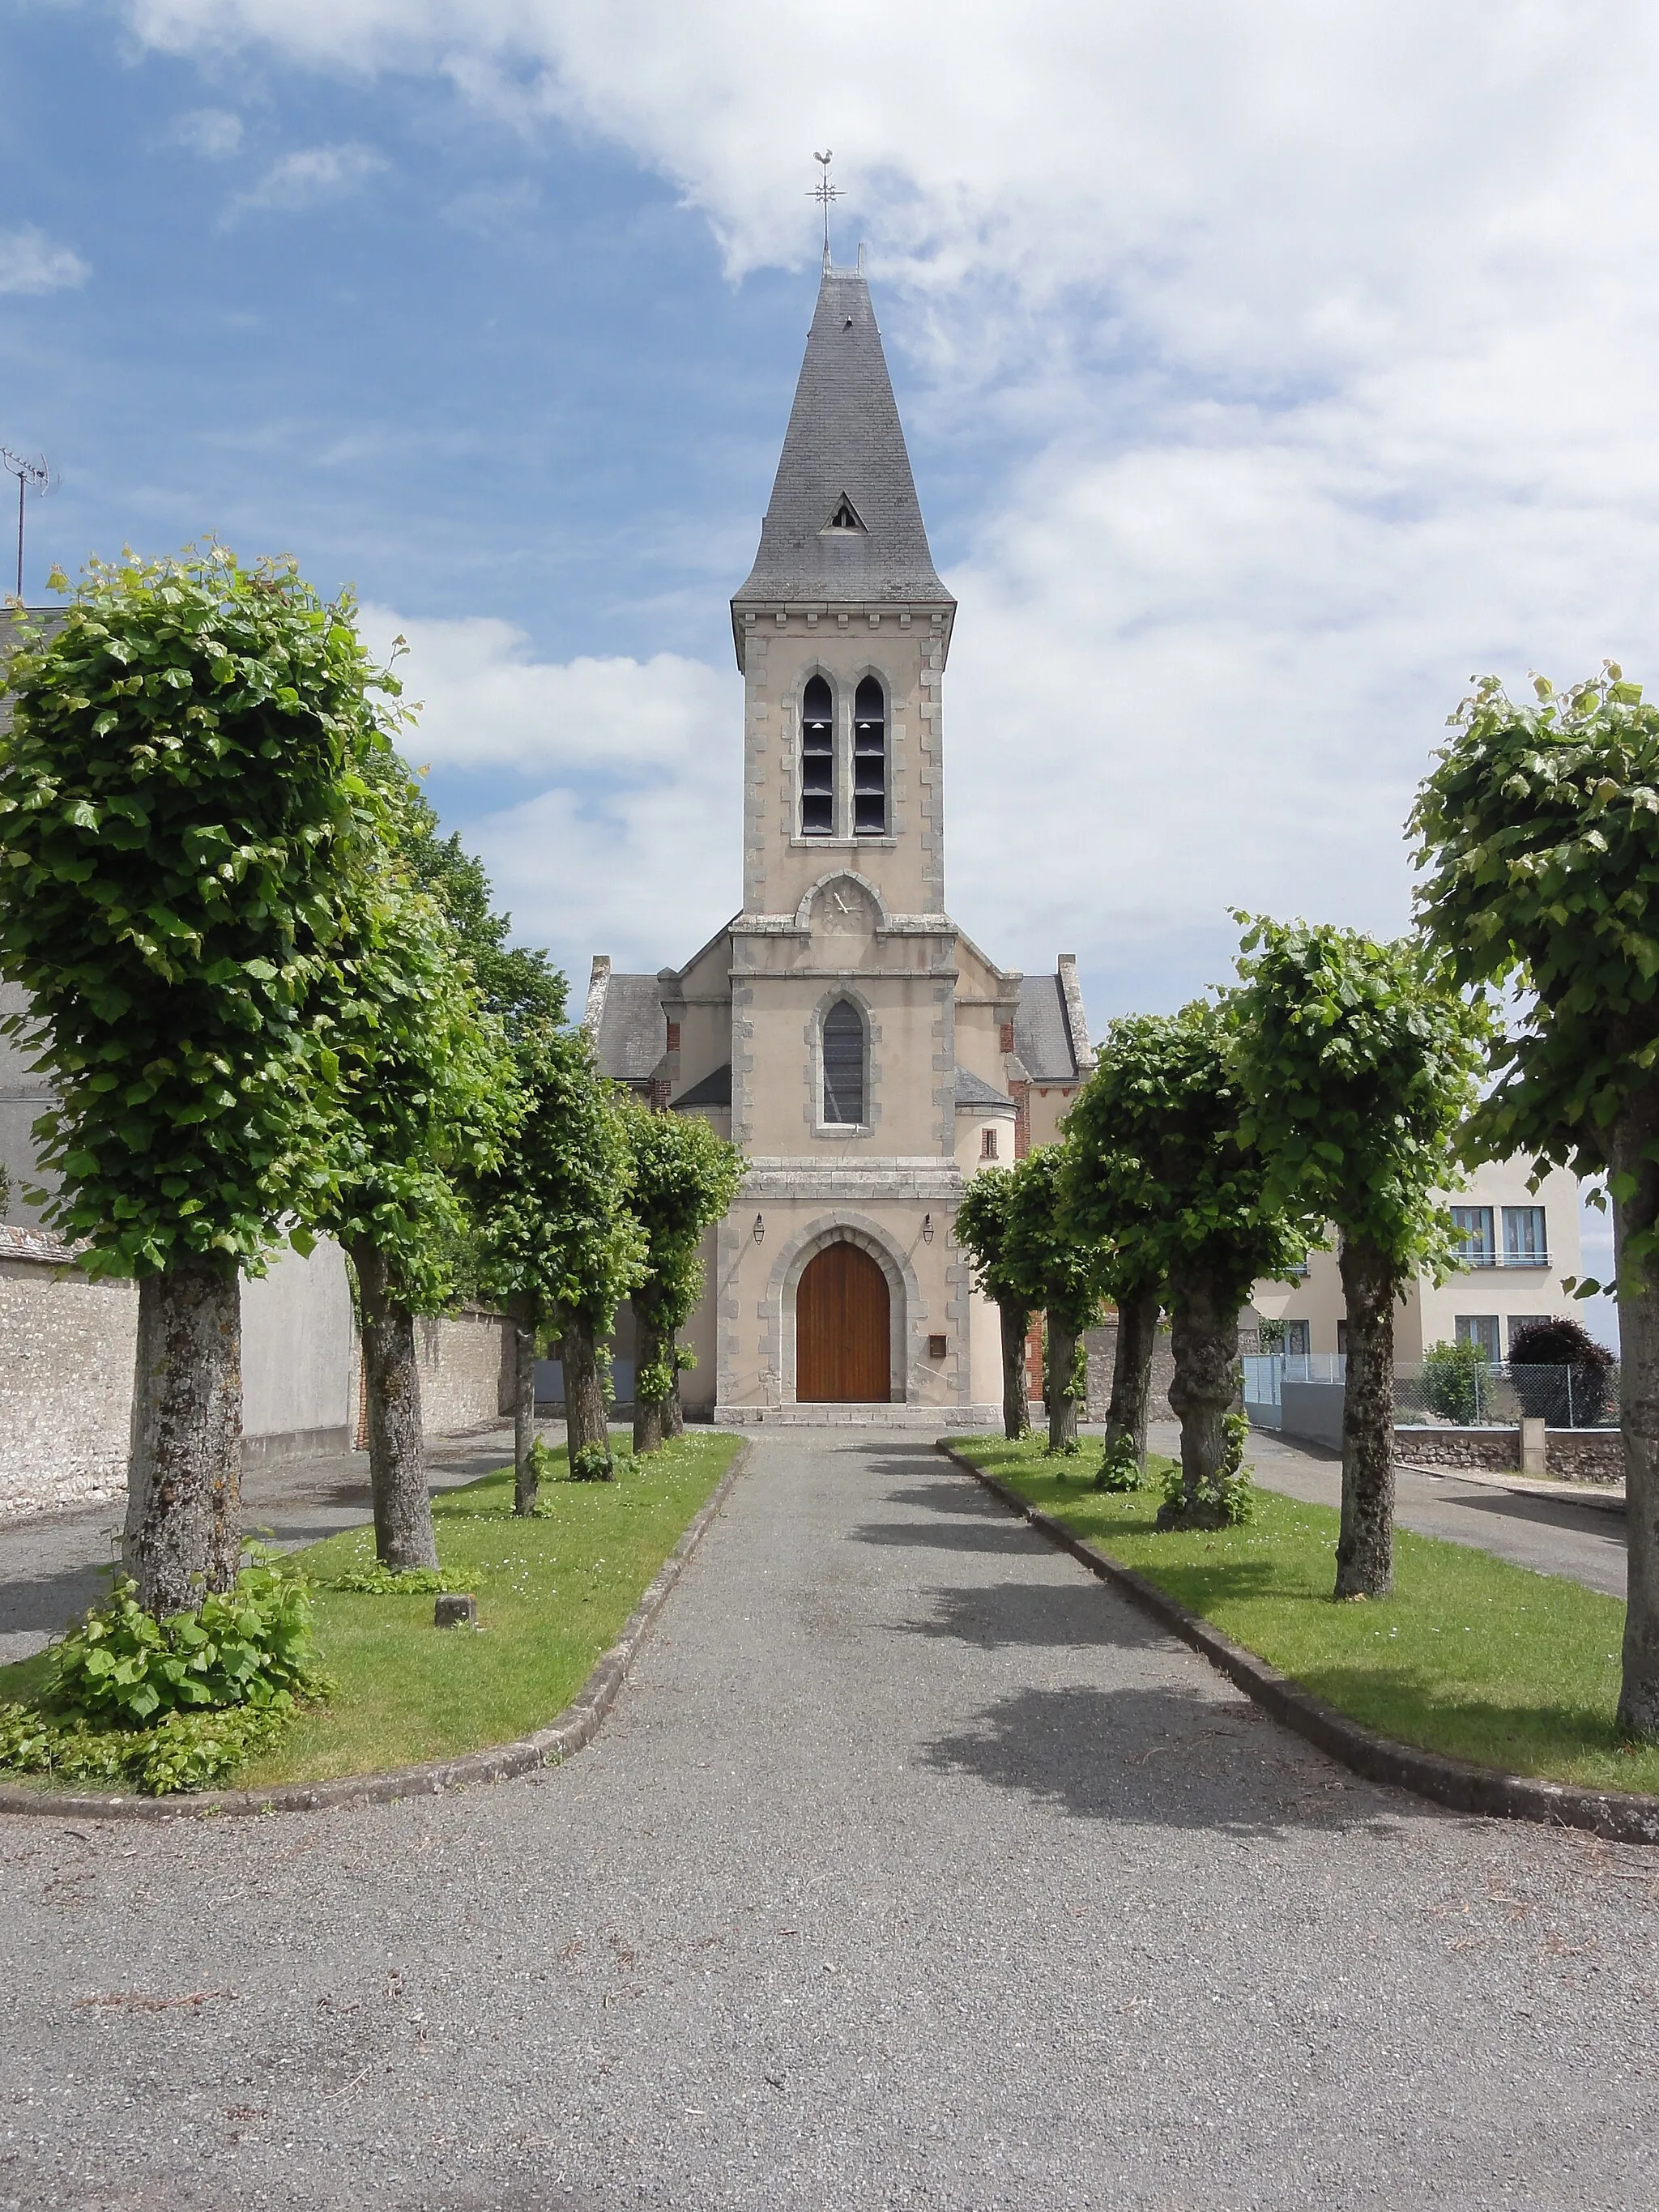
column 843, row 1320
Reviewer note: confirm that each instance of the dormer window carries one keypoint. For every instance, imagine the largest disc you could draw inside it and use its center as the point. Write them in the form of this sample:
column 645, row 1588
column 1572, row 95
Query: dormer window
column 846, row 517
column 869, row 760
column 817, row 760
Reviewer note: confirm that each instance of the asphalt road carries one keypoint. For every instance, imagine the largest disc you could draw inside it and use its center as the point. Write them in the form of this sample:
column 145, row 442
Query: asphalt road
column 915, row 1868
column 1556, row 1536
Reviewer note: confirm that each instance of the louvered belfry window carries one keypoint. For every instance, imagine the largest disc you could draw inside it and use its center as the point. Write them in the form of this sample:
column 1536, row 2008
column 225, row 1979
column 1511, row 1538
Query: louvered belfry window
column 817, row 760
column 844, row 1065
column 869, row 760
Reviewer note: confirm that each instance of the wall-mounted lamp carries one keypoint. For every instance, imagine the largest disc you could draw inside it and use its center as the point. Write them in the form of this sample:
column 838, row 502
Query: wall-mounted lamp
column 758, row 1232
column 927, row 1228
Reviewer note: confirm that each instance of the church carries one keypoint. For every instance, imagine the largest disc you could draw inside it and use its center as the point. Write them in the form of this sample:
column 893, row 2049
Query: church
column 863, row 1054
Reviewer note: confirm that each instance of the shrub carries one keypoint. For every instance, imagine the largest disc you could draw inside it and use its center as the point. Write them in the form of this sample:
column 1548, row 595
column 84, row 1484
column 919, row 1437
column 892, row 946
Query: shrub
column 246, row 1646
column 185, row 1751
column 1223, row 1502
column 1561, row 1374
column 1119, row 1467
column 1455, row 1385
column 593, row 1463
column 379, row 1580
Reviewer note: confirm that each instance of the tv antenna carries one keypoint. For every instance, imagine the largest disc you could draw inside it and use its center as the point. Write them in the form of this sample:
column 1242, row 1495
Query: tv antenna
column 32, row 475
column 824, row 192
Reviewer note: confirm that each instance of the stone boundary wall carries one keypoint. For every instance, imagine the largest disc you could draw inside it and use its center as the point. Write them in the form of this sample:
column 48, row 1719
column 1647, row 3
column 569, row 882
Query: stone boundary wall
column 1593, row 1456
column 66, row 1359
column 466, row 1380
column 1101, row 1345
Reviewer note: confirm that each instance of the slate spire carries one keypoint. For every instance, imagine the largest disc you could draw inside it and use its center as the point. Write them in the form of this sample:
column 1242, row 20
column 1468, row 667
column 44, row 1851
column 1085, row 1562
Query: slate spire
column 844, row 524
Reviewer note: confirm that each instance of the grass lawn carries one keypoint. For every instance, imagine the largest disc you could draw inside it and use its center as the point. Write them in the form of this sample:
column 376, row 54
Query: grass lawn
column 553, row 1594
column 1471, row 1657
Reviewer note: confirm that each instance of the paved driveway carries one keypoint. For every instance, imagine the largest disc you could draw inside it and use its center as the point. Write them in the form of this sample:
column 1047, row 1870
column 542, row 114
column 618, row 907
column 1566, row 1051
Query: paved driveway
column 915, row 1868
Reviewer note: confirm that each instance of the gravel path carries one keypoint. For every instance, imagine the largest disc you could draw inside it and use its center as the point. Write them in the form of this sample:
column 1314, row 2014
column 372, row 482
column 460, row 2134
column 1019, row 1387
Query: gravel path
column 1556, row 1536
column 913, row 1868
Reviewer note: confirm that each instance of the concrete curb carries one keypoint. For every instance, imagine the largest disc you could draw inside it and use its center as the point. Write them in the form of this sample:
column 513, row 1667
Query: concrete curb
column 578, row 1724
column 1599, row 1500
column 1622, row 1816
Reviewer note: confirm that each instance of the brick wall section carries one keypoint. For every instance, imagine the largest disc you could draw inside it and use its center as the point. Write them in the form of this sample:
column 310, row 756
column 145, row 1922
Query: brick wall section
column 1595, row 1456
column 65, row 1379
column 462, row 1359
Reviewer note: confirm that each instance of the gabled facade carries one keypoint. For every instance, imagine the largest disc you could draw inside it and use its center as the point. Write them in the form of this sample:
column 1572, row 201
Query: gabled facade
column 864, row 1054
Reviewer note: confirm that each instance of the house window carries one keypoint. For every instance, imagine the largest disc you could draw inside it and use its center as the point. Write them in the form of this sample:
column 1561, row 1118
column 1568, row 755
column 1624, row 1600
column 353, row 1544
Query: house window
column 1473, row 1226
column 988, row 1144
column 1479, row 1329
column 869, row 760
column 817, row 760
column 1525, row 1244
column 844, row 1065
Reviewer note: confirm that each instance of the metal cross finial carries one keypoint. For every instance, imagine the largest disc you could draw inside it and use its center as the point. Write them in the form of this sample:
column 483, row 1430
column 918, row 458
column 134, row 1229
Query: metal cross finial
column 826, row 193
column 32, row 475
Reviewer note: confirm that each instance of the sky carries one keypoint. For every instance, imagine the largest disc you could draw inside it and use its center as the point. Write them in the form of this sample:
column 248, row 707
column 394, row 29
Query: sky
column 1268, row 374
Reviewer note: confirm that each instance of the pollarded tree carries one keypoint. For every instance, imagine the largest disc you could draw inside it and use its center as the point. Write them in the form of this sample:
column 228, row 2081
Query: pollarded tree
column 427, row 1095
column 555, row 1235
column 182, row 809
column 684, row 1179
column 1161, row 1152
column 981, row 1231
column 1063, row 1271
column 1539, row 828
column 1360, row 1062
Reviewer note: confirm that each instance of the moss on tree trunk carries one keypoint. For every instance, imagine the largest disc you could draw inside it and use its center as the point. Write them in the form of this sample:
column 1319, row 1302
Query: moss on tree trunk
column 654, row 1347
column 586, row 1425
column 403, row 1535
column 184, row 1524
column 526, row 1483
column 1061, row 1405
column 1205, row 1341
column 1015, row 1319
column 1632, row 1136
column 1364, row 1547
column 1132, row 1368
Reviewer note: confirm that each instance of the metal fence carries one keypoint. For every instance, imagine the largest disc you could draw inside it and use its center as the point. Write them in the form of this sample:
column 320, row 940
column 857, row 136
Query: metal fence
column 1460, row 1394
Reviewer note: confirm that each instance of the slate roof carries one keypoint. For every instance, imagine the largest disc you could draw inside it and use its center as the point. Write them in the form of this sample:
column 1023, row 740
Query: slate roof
column 632, row 1032
column 973, row 1091
column 714, row 1090
column 844, row 439
column 1042, row 1035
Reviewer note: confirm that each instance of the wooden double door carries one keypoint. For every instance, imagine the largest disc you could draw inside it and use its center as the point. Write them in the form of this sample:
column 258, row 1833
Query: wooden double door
column 843, row 1325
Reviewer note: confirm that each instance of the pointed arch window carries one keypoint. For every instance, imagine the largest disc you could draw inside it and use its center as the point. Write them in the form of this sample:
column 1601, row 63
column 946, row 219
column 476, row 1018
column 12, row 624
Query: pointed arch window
column 844, row 1065
column 869, row 760
column 817, row 760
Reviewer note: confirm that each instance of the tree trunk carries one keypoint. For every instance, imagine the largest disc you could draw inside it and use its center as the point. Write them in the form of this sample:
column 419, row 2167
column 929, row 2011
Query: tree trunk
column 673, row 1419
column 184, row 1526
column 1206, row 1340
column 1364, row 1548
column 526, row 1483
column 1132, row 1368
column 403, row 1535
column 1061, row 1405
column 1633, row 1132
column 651, row 1348
column 585, row 1412
column 1015, row 1395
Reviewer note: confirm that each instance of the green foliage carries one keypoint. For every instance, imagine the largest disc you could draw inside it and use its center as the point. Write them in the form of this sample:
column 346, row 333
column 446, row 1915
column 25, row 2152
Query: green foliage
column 249, row 1646
column 554, row 1221
column 1161, row 1167
column 982, row 1227
column 1226, row 1501
column 1043, row 1253
column 1538, row 829
column 183, row 1751
column 376, row 1579
column 516, row 984
column 1455, row 1386
column 592, row 1463
column 685, row 1179
column 1119, row 1465
column 427, row 1076
column 183, row 806
column 1360, row 1061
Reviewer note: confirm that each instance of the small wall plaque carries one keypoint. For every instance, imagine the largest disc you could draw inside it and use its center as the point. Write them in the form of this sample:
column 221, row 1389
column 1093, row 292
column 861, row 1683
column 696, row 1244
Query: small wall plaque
column 936, row 1348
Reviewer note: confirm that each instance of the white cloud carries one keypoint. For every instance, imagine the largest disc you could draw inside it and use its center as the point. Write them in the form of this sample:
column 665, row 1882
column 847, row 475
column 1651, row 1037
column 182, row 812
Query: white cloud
column 628, row 842
column 310, row 176
column 213, row 132
column 32, row 262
